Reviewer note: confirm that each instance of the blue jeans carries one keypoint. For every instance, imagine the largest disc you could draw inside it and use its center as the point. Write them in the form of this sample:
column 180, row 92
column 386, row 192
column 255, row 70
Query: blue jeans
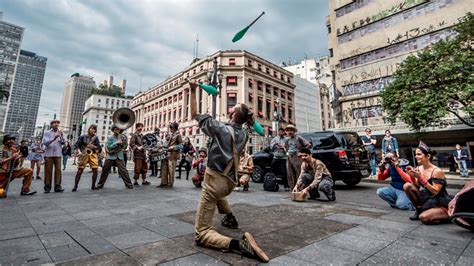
column 373, row 163
column 463, row 168
column 395, row 198
column 65, row 161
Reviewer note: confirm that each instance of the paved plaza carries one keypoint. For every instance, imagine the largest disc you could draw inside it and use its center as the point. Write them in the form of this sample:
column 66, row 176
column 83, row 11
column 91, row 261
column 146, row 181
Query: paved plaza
column 148, row 226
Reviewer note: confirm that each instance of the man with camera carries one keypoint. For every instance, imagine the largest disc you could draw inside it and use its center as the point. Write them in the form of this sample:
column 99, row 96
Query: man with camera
column 394, row 195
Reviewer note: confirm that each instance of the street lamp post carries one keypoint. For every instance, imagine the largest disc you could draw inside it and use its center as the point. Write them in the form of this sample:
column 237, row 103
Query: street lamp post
column 277, row 115
column 215, row 80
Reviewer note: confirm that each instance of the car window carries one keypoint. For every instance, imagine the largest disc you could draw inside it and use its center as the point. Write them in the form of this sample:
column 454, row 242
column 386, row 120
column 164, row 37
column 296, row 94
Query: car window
column 350, row 139
column 328, row 142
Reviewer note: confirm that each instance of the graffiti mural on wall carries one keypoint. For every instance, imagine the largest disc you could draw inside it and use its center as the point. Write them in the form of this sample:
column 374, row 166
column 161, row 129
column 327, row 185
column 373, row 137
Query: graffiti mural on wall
column 366, row 112
column 366, row 86
column 382, row 14
column 374, row 73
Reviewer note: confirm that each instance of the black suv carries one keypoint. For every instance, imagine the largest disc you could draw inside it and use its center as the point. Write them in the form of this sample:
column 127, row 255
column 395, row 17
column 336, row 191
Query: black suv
column 343, row 153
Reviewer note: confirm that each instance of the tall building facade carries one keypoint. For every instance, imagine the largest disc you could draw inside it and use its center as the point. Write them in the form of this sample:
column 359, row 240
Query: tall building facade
column 307, row 106
column 26, row 94
column 11, row 37
column 247, row 78
column 368, row 40
column 76, row 91
column 98, row 110
column 318, row 72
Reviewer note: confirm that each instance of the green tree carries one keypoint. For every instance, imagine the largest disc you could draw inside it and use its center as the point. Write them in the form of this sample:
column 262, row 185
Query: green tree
column 435, row 82
column 114, row 91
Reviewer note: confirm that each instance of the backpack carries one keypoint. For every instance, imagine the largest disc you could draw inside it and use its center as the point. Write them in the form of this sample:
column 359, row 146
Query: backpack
column 270, row 182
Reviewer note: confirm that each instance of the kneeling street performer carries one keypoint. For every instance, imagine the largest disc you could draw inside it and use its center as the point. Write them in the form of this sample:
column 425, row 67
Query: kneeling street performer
column 220, row 179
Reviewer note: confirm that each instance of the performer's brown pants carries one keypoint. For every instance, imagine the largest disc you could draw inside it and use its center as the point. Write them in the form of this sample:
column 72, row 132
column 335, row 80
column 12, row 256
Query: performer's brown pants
column 215, row 188
column 293, row 168
column 141, row 167
column 49, row 163
column 123, row 173
column 168, row 169
column 24, row 172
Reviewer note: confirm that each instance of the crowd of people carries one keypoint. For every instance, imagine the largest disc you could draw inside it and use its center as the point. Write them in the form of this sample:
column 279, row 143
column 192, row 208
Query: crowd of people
column 222, row 167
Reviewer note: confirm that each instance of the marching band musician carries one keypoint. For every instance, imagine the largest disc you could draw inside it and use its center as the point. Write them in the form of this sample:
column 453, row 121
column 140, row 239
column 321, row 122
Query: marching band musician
column 88, row 148
column 139, row 155
column 53, row 140
column 154, row 152
column 115, row 146
column 9, row 153
column 168, row 166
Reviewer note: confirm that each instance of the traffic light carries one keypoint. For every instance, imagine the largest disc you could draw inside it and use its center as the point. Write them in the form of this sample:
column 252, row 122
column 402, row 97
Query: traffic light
column 74, row 127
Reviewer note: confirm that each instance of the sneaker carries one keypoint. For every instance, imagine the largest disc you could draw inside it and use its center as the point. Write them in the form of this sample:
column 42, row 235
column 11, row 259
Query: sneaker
column 332, row 196
column 59, row 190
column 249, row 248
column 29, row 193
column 38, row 178
column 74, row 189
column 145, row 183
column 229, row 221
column 246, row 188
column 136, row 184
column 416, row 216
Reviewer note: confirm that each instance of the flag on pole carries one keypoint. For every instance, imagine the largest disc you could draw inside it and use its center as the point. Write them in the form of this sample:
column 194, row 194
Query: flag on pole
column 242, row 32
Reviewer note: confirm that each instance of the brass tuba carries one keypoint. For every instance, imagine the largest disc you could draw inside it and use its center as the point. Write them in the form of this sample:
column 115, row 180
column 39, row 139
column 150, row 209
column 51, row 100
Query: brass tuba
column 123, row 118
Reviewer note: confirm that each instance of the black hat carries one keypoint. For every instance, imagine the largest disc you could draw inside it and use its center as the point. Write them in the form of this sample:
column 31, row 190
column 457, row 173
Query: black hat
column 8, row 137
column 174, row 125
column 113, row 127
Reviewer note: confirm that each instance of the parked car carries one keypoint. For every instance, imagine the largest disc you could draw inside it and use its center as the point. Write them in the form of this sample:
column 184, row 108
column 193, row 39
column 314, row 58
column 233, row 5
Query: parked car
column 343, row 153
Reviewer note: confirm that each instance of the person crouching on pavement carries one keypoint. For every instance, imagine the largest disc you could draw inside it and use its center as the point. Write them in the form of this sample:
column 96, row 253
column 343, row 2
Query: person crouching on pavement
column 8, row 154
column 245, row 170
column 314, row 176
column 220, row 178
column 88, row 148
column 394, row 195
column 200, row 164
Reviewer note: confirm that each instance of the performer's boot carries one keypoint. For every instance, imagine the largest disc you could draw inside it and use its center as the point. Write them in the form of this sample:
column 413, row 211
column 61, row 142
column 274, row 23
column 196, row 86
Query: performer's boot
column 94, row 179
column 144, row 182
column 416, row 215
column 230, row 221
column 78, row 178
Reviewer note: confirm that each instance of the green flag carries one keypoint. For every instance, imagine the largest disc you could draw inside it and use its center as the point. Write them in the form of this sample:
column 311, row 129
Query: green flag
column 258, row 128
column 242, row 32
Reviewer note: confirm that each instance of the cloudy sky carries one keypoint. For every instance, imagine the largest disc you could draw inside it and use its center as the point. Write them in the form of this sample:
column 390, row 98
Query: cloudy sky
column 155, row 39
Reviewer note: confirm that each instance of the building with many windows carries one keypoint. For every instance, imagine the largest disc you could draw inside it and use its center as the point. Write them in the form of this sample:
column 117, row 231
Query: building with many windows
column 26, row 95
column 98, row 110
column 247, row 78
column 76, row 91
column 368, row 40
column 318, row 72
column 307, row 106
column 11, row 37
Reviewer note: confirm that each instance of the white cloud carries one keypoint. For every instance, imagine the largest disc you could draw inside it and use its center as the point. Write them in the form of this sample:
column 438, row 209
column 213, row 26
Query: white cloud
column 154, row 38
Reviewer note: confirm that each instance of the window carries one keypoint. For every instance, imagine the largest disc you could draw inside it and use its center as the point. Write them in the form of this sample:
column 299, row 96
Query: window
column 231, row 61
column 250, row 97
column 231, row 101
column 331, row 53
column 232, row 81
column 269, row 109
column 250, row 63
column 250, row 83
column 260, row 107
column 259, row 85
column 260, row 67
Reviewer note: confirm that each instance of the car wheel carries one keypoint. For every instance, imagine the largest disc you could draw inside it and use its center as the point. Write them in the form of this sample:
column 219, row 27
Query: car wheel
column 257, row 174
column 351, row 182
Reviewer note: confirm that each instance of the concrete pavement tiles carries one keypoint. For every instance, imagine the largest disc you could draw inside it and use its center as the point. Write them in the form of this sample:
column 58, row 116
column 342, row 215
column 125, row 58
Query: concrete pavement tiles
column 149, row 226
